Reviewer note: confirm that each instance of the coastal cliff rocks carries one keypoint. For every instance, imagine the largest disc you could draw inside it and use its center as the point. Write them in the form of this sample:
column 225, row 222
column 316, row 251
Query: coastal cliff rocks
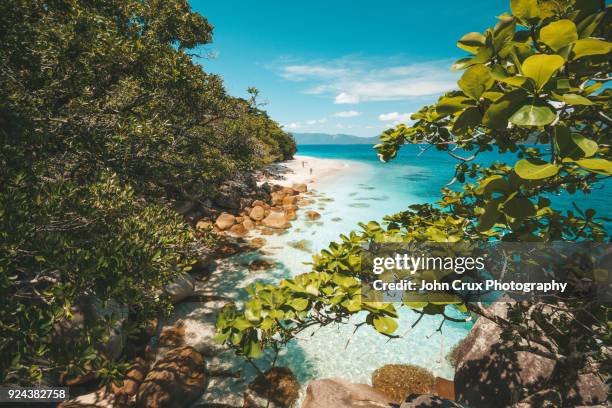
column 180, row 288
column 491, row 372
column 398, row 380
column 338, row 393
column 276, row 388
column 177, row 379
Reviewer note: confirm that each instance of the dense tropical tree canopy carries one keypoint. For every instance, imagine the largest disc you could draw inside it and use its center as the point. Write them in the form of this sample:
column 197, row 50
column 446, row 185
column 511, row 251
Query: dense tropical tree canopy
column 105, row 121
column 538, row 76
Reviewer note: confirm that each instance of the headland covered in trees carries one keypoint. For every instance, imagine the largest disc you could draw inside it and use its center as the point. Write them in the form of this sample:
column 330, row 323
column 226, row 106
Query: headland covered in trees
column 161, row 245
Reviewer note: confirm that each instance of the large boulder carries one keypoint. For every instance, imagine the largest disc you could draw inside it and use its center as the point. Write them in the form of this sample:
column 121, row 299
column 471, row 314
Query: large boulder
column 180, row 288
column 238, row 230
column 587, row 389
column 490, row 372
column 430, row 401
column 338, row 393
column 225, row 221
column 126, row 392
column 289, row 200
column 398, row 380
column 177, row 379
column 276, row 388
column 276, row 219
column 300, row 188
column 257, row 213
column 277, row 197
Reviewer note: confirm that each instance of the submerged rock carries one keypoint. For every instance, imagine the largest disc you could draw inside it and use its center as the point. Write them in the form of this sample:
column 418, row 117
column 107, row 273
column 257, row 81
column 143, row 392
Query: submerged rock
column 302, row 245
column 398, row 380
column 277, row 385
column 176, row 380
column 313, row 215
column 359, row 205
column 261, row 265
column 339, row 393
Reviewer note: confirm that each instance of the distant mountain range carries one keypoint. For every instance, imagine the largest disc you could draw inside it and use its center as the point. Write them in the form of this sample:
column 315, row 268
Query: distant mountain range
column 325, row 138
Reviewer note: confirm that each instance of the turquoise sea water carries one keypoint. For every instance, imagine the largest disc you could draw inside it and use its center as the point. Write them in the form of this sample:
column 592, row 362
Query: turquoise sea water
column 411, row 174
column 368, row 191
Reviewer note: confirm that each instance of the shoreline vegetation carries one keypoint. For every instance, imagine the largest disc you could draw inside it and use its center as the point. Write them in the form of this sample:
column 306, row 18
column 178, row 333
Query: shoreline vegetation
column 133, row 185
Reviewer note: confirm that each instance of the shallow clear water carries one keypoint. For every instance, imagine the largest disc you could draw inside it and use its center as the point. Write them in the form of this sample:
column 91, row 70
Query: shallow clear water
column 369, row 191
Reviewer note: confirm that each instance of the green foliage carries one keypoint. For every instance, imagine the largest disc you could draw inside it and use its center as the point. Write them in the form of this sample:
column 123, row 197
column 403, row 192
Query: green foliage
column 535, row 76
column 105, row 120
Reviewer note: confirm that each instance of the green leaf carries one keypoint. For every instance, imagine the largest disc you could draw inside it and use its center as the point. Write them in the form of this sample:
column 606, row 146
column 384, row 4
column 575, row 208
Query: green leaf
column 385, row 325
column 588, row 146
column 491, row 214
column 535, row 169
column 299, row 304
column 559, row 34
column 491, row 184
column 253, row 349
column 573, row 99
column 519, row 207
column 525, row 9
column 588, row 25
column 450, row 105
column 416, row 305
column 533, row 115
column 468, row 119
column 475, row 81
column 590, row 46
column 496, row 117
column 471, row 42
column 242, row 324
column 601, row 166
column 541, row 67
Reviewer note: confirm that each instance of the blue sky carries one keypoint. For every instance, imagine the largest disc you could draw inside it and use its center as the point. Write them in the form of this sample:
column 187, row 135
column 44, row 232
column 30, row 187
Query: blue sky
column 340, row 66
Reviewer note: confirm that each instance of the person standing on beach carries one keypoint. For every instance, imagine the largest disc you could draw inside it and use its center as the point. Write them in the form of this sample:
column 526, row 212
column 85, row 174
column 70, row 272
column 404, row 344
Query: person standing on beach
column 303, row 164
column 311, row 171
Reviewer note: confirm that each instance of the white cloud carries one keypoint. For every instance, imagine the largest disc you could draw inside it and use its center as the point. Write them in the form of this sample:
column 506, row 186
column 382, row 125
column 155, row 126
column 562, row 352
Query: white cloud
column 302, row 72
column 347, row 114
column 293, row 125
column 344, row 97
column 316, row 121
column 396, row 116
column 351, row 80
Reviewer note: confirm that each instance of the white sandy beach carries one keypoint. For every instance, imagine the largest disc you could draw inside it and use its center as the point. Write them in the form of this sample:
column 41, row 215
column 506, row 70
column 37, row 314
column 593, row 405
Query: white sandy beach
column 298, row 170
